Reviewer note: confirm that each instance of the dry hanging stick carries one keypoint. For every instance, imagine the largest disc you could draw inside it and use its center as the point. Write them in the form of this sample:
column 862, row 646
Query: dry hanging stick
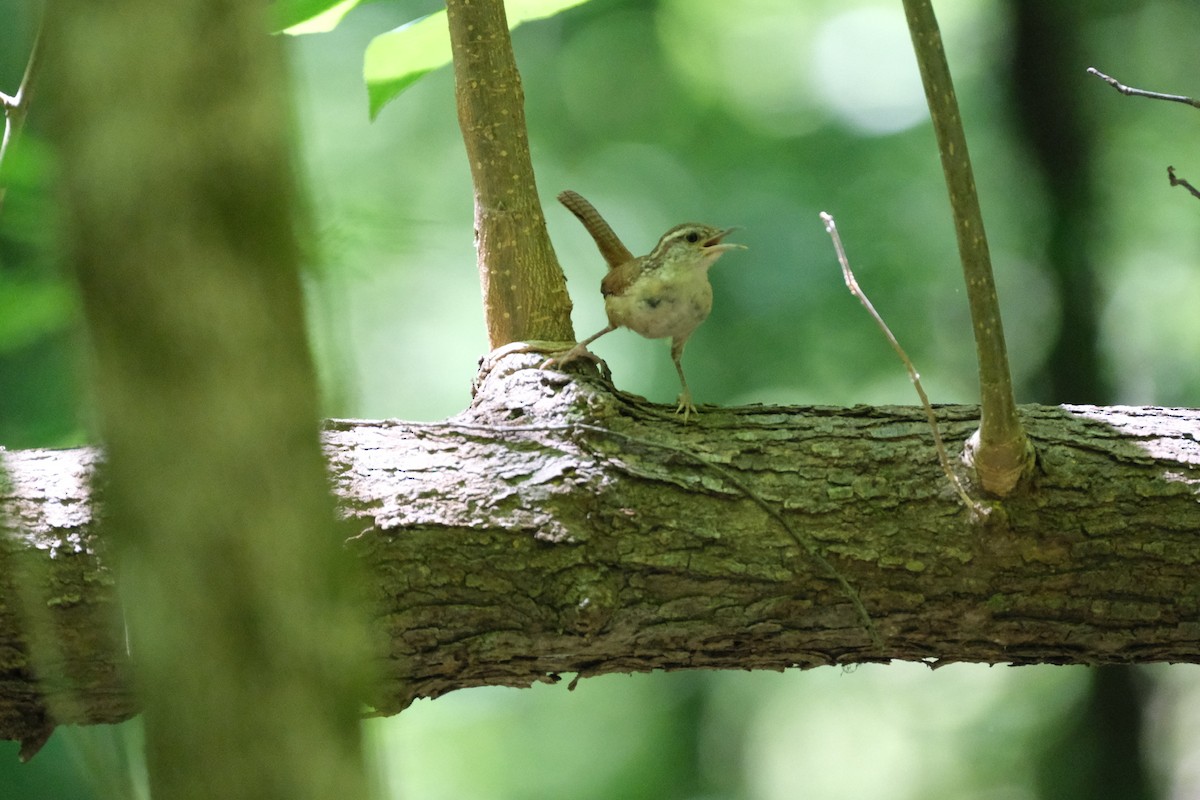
column 852, row 284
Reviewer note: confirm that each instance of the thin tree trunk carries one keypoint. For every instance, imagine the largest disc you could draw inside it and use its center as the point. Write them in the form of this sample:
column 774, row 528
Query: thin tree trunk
column 524, row 291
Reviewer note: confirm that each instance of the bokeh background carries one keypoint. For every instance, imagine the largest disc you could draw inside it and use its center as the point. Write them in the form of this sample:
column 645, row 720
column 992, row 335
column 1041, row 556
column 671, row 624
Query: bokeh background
column 761, row 114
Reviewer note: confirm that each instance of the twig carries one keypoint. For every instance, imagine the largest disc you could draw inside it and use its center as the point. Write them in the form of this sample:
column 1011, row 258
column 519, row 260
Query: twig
column 1181, row 182
column 999, row 451
column 914, row 376
column 16, row 107
column 1132, row 92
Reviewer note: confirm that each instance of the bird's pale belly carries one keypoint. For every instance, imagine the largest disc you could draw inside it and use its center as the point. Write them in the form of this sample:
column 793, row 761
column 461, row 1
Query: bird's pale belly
column 661, row 306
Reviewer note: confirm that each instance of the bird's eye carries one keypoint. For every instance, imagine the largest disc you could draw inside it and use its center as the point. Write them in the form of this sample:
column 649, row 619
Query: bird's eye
column 692, row 237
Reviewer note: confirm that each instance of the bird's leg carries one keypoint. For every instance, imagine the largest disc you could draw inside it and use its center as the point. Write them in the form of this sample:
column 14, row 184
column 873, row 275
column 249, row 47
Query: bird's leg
column 578, row 351
column 685, row 397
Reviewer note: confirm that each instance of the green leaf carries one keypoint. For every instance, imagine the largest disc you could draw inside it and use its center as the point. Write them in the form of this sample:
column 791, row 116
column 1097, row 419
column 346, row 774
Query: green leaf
column 399, row 58
column 298, row 17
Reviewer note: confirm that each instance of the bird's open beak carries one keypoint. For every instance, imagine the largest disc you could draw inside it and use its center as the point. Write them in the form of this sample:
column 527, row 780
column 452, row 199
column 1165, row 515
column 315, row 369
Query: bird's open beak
column 716, row 244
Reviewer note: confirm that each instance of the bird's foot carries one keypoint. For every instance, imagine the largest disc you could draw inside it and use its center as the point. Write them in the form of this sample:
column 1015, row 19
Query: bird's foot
column 561, row 358
column 686, row 406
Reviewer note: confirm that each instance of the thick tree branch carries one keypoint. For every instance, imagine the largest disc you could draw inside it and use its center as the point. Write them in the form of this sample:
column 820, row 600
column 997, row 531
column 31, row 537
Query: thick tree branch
column 557, row 528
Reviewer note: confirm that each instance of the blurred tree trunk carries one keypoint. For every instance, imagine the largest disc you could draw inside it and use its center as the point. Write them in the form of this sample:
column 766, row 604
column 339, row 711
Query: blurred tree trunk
column 1100, row 755
column 1046, row 84
column 242, row 615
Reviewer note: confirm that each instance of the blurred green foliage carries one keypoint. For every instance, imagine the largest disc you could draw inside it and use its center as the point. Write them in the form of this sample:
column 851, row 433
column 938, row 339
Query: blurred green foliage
column 308, row 16
column 895, row 731
column 761, row 114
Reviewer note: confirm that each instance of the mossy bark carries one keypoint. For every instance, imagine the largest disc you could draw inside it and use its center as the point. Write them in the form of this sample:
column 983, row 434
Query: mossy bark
column 556, row 527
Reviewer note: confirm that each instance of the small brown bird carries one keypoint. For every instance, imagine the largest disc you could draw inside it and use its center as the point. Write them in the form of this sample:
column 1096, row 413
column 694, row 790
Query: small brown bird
column 665, row 293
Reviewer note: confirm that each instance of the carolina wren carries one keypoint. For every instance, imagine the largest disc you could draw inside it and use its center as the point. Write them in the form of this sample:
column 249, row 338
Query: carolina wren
column 665, row 293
